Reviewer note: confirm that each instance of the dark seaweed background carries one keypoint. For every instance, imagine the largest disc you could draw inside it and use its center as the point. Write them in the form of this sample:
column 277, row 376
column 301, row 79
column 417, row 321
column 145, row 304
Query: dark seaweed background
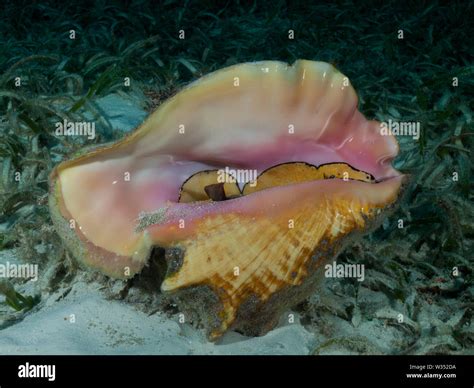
column 408, row 79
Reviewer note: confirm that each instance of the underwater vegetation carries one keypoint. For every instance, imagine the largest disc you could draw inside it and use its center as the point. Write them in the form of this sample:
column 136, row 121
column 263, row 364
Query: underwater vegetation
column 59, row 59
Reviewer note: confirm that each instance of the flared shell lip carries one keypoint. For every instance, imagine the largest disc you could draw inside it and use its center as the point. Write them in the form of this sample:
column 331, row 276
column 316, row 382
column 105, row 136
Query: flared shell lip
column 143, row 128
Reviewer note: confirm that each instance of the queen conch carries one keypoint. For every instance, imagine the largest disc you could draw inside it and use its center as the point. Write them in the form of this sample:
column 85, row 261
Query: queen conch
column 251, row 179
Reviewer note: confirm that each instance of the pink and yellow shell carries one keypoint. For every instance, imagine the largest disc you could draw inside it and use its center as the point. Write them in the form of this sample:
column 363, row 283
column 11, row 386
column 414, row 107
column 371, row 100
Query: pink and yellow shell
column 239, row 252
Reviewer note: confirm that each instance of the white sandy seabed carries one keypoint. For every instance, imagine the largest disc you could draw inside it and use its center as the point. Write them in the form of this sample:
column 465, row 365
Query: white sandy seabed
column 84, row 322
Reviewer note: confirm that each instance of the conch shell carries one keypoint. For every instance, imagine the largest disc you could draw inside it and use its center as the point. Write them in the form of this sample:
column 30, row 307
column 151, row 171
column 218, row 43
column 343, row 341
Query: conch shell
column 239, row 252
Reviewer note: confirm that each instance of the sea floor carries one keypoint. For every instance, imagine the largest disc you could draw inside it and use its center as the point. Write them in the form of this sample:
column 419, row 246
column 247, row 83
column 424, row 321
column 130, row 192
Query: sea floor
column 87, row 316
